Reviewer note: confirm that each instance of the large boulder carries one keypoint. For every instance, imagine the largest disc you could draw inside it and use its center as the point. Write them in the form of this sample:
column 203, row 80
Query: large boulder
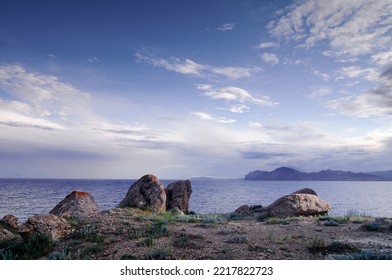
column 178, row 195
column 77, row 205
column 146, row 193
column 302, row 203
column 46, row 224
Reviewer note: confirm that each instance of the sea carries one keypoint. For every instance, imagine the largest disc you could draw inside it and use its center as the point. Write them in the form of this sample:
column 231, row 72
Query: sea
column 27, row 197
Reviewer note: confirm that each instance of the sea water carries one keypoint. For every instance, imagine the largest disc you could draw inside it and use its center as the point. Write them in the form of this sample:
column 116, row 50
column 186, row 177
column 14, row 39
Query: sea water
column 26, row 197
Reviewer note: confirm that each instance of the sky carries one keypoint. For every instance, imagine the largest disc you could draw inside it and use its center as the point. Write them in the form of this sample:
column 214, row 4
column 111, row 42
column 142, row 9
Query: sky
column 180, row 89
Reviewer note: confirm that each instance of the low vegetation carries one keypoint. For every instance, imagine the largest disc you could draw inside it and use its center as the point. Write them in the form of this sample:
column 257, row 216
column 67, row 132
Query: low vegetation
column 135, row 234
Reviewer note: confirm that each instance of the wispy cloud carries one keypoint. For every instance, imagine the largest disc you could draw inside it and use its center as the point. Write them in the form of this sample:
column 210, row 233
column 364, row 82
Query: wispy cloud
column 265, row 45
column 235, row 94
column 94, row 59
column 208, row 117
column 321, row 91
column 189, row 67
column 225, row 27
column 373, row 102
column 352, row 28
column 270, row 58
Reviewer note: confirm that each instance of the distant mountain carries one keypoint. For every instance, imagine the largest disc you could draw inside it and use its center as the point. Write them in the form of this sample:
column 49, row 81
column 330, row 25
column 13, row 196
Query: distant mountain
column 289, row 174
column 384, row 174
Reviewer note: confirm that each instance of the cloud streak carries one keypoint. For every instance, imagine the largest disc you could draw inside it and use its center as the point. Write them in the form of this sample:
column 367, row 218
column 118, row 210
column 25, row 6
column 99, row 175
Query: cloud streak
column 208, row 117
column 234, row 94
column 226, row 27
column 189, row 67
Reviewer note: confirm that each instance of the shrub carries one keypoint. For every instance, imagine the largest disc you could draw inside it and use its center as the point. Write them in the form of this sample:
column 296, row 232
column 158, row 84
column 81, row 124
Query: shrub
column 263, row 217
column 158, row 254
column 241, row 238
column 374, row 226
column 212, row 219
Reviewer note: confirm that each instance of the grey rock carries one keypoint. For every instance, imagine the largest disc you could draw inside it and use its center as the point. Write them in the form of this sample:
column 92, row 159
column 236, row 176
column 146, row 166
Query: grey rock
column 77, row 205
column 178, row 195
column 11, row 221
column 5, row 234
column 298, row 204
column 305, row 191
column 248, row 209
column 146, row 193
column 47, row 224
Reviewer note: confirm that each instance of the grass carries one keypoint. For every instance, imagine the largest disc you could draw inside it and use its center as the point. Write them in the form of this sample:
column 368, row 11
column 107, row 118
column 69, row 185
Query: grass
column 240, row 238
column 158, row 253
column 35, row 247
column 213, row 219
column 319, row 246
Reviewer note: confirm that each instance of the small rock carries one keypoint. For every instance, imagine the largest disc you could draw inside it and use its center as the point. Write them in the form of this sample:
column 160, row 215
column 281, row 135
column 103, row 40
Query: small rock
column 11, row 221
column 5, row 234
column 47, row 224
column 248, row 209
column 76, row 204
column 177, row 211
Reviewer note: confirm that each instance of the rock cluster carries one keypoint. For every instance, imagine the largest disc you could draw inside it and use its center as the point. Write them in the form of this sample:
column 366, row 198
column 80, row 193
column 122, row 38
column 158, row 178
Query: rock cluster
column 76, row 205
column 148, row 193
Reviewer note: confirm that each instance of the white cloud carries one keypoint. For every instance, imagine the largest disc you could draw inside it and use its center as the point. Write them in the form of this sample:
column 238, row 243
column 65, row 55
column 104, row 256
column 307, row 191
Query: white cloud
column 189, row 67
column 270, row 58
column 237, row 94
column 253, row 124
column 46, row 94
column 93, row 59
column 352, row 28
column 369, row 74
column 226, row 27
column 265, row 45
column 208, row 117
column 238, row 108
column 184, row 67
column 234, row 73
column 373, row 102
column 382, row 58
column 322, row 75
column 18, row 114
column 321, row 91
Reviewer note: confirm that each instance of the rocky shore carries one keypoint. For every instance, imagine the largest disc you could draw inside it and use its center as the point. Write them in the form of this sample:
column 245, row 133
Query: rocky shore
column 153, row 222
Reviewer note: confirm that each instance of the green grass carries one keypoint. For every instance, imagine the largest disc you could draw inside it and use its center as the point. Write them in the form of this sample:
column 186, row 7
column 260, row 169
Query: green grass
column 35, row 247
column 319, row 246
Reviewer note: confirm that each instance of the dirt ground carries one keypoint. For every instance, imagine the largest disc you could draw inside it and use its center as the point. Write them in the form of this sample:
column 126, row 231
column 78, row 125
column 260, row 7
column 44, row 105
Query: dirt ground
column 134, row 234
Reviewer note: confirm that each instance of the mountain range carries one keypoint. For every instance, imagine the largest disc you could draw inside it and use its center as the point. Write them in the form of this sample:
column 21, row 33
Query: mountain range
column 289, row 174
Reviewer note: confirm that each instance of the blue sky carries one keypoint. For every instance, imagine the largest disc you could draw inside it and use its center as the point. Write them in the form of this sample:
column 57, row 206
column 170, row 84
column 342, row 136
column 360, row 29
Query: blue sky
column 119, row 89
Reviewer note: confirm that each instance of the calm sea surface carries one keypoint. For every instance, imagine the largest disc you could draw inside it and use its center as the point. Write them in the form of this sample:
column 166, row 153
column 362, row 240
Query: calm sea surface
column 26, row 197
